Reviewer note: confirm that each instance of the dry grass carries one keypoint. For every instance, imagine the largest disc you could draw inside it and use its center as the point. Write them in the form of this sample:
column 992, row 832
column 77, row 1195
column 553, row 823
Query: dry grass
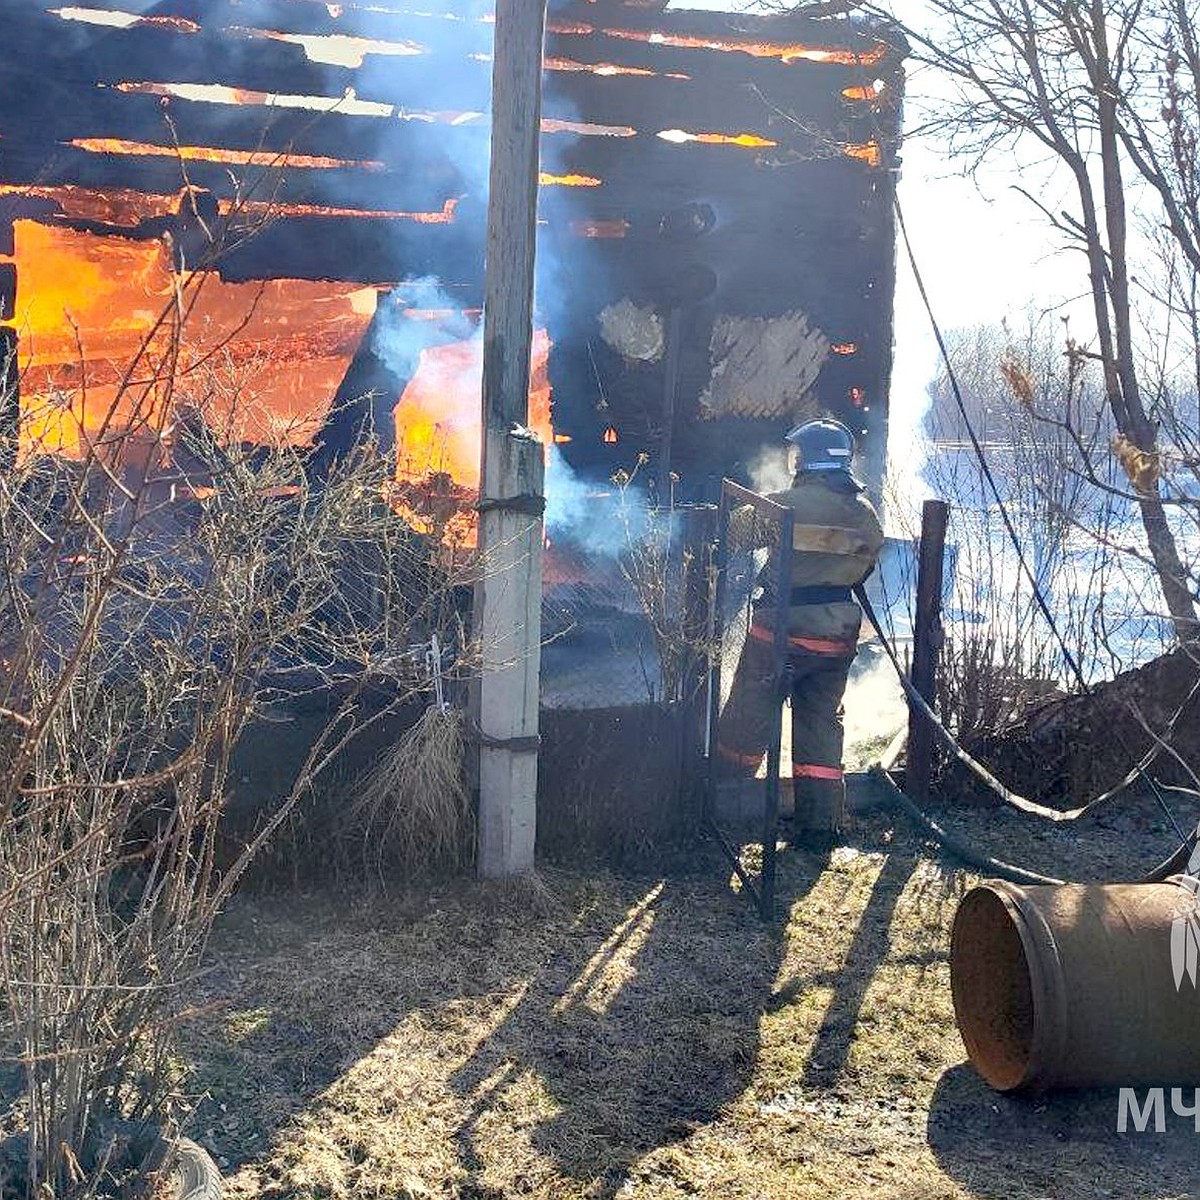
column 412, row 811
column 602, row 1036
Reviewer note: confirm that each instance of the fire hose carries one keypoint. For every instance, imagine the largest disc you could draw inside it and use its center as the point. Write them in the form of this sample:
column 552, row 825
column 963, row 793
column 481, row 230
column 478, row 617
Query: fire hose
column 960, row 847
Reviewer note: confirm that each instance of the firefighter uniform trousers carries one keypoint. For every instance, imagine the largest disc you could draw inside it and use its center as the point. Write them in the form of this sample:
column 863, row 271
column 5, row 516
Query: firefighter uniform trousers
column 835, row 540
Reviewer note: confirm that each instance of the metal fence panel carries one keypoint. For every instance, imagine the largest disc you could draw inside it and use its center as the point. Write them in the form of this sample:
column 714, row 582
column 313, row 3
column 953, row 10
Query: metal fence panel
column 748, row 675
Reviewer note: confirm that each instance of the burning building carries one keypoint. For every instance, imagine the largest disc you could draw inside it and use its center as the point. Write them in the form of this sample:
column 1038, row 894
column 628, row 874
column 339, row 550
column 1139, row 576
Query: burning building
column 716, row 230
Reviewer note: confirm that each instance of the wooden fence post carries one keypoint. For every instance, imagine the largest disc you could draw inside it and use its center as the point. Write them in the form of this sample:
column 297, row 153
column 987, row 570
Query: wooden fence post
column 927, row 643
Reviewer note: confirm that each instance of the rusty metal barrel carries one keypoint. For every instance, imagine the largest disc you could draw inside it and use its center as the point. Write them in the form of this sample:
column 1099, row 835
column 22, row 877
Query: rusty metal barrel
column 1077, row 985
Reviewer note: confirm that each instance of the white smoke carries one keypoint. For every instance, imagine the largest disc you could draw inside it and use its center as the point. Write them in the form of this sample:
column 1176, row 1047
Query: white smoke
column 598, row 518
column 875, row 708
column 770, row 471
column 398, row 340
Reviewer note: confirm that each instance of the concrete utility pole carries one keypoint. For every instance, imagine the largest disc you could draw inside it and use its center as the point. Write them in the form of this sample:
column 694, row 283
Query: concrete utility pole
column 509, row 594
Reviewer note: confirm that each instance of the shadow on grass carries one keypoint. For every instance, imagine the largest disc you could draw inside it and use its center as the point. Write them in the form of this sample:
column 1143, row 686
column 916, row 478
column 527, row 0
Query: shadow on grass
column 850, row 978
column 1058, row 1144
column 471, row 1038
column 640, row 1036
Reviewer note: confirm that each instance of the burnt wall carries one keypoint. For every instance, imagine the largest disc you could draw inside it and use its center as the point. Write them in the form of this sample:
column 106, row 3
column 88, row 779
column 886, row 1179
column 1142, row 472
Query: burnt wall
column 363, row 132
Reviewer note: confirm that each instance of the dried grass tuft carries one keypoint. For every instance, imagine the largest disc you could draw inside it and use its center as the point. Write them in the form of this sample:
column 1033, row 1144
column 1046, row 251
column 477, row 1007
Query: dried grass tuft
column 412, row 811
column 527, row 894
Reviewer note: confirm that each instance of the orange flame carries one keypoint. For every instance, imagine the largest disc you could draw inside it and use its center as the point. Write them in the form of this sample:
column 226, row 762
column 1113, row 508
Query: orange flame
column 241, row 158
column 610, row 436
column 548, row 180
column 750, row 140
column 869, row 152
column 88, row 303
column 844, row 348
column 870, row 91
column 114, row 206
column 438, row 435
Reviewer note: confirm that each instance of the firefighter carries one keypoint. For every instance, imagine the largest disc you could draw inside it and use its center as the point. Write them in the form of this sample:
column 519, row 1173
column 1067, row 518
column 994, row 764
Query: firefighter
column 836, row 537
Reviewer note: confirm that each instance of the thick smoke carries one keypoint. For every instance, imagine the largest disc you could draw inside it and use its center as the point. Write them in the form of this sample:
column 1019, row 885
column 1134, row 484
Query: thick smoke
column 875, row 705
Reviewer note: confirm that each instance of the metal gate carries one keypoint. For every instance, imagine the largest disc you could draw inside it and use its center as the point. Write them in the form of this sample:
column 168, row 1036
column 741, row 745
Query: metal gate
column 748, row 677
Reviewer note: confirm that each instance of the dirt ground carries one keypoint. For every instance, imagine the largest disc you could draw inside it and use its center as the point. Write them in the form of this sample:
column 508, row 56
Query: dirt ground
column 603, row 1037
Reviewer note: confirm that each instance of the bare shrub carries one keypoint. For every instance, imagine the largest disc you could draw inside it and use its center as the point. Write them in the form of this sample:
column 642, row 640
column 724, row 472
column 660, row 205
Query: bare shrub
column 668, row 563
column 150, row 614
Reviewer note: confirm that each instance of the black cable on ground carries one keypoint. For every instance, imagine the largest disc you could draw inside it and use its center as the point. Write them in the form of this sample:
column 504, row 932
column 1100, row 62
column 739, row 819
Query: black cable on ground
column 971, row 763
column 961, row 849
column 967, row 854
column 1176, row 862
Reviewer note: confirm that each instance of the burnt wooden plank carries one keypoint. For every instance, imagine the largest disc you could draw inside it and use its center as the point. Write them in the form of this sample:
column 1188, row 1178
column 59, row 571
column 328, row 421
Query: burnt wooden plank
column 449, row 157
column 365, row 252
column 368, row 191
column 226, row 57
column 422, row 149
column 731, row 92
column 379, row 20
column 647, row 168
column 779, row 27
column 221, row 47
column 726, row 103
column 634, row 172
column 90, row 112
column 753, row 88
column 597, row 46
column 8, row 290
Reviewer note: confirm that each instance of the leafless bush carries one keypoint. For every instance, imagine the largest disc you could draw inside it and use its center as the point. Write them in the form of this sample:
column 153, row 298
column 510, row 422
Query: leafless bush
column 149, row 613
column 1076, row 603
column 670, row 570
column 986, row 683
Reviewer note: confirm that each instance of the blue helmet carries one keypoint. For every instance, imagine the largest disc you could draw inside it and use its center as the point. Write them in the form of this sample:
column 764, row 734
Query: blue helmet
column 824, row 445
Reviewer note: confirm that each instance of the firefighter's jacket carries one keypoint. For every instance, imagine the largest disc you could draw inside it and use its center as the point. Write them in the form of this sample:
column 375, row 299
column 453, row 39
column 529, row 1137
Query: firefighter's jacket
column 836, row 537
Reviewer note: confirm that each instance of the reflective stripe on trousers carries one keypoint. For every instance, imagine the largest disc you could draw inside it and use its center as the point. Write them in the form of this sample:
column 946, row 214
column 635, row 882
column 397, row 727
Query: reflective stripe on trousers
column 817, row 771
column 813, row 645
